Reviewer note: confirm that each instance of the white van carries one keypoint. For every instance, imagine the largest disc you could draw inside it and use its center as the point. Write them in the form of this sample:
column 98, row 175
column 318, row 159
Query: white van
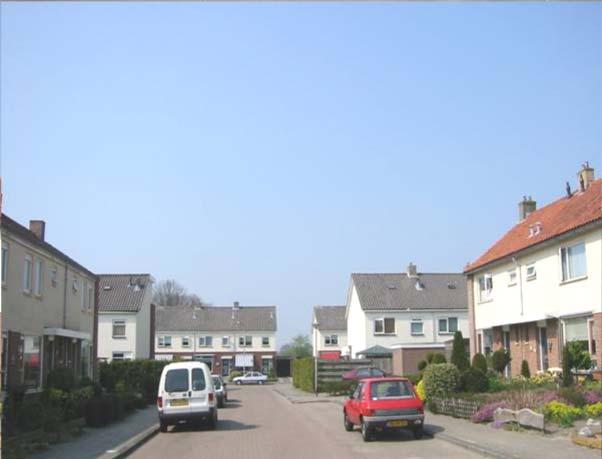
column 186, row 393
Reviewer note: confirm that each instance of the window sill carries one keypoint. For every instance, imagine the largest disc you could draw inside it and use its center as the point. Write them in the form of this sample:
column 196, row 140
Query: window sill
column 385, row 334
column 486, row 300
column 119, row 337
column 446, row 333
column 512, row 284
column 570, row 281
column 417, row 334
column 529, row 279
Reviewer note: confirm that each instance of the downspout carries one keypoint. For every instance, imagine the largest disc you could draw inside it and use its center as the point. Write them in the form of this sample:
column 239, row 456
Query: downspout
column 65, row 298
column 520, row 285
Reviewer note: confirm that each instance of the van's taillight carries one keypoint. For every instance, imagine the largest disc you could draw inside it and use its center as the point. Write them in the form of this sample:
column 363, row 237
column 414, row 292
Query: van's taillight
column 160, row 402
column 210, row 396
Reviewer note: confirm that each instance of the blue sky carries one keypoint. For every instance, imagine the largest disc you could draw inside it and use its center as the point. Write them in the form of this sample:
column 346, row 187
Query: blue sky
column 263, row 152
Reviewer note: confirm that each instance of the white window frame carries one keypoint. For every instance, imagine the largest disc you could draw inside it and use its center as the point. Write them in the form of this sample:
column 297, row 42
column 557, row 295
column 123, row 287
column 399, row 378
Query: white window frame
column 225, row 341
column 119, row 322
column 118, row 355
column 485, row 294
column 416, row 322
column 164, row 341
column 383, row 322
column 512, row 277
column 563, row 252
column 447, row 331
column 331, row 340
column 75, row 284
column 263, row 343
column 244, row 342
column 54, row 276
column 27, row 273
column 38, row 276
column 533, row 268
column 206, row 341
column 185, row 341
column 4, row 262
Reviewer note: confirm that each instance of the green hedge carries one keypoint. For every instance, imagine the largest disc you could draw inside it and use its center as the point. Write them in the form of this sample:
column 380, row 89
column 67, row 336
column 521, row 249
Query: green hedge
column 337, row 387
column 303, row 374
column 440, row 379
column 134, row 376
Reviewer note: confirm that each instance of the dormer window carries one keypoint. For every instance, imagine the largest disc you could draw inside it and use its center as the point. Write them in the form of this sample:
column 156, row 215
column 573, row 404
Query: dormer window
column 535, row 229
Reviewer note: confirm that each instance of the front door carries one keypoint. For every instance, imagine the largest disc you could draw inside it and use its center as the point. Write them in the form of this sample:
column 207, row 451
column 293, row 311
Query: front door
column 226, row 363
column 543, row 348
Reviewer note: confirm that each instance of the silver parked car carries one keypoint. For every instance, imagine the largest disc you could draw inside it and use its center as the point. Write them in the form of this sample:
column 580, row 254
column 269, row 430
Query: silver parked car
column 221, row 393
column 251, row 377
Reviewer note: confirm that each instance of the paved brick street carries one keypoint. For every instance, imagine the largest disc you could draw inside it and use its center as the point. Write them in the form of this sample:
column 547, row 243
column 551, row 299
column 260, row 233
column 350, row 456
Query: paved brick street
column 260, row 423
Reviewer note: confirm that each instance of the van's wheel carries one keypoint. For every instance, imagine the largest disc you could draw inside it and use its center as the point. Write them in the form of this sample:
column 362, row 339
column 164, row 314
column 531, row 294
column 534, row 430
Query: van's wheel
column 162, row 426
column 418, row 433
column 366, row 435
column 347, row 423
column 213, row 420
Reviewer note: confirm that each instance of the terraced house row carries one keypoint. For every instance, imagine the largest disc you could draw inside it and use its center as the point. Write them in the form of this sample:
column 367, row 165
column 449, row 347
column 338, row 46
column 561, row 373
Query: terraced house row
column 537, row 288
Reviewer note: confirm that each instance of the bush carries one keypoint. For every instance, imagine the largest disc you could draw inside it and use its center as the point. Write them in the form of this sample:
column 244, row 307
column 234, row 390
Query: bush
column 479, row 362
column 414, row 379
column 234, row 374
column 567, row 377
column 572, row 396
column 500, row 360
column 439, row 358
column 420, row 391
column 579, row 357
column 136, row 376
column 440, row 379
column 474, row 380
column 545, row 379
column 60, row 378
column 303, row 374
column 561, row 413
column 337, row 387
column 422, row 365
column 485, row 413
column 524, row 369
column 594, row 410
column 459, row 355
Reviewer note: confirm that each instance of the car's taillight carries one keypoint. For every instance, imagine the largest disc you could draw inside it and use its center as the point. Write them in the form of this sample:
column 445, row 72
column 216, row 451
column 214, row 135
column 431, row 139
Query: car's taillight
column 210, row 396
column 160, row 402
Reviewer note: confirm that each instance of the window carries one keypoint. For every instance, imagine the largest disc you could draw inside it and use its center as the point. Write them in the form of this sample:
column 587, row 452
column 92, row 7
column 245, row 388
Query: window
column 164, row 341
column 416, row 327
column 31, row 361
column 84, row 295
column 205, row 341
column 37, row 277
column 118, row 356
column 225, row 341
column 448, row 325
column 119, row 329
column 531, row 272
column 512, row 277
column 86, row 359
column 331, row 340
column 265, row 341
column 4, row 261
column 485, row 287
column 245, row 341
column 198, row 379
column 267, row 366
column 573, row 261
column 27, row 274
column 176, row 380
column 487, row 342
column 185, row 341
column 54, row 276
column 90, row 297
column 75, row 285
column 385, row 326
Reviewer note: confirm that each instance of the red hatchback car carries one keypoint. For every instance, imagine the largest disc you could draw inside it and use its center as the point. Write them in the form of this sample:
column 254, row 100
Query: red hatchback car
column 380, row 404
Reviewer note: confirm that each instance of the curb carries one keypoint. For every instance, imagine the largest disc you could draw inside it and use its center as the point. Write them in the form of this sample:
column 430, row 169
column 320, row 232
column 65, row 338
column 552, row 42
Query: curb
column 470, row 445
column 129, row 446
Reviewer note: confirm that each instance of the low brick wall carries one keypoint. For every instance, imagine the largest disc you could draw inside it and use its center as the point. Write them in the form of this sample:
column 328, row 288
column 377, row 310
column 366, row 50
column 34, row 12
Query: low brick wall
column 456, row 407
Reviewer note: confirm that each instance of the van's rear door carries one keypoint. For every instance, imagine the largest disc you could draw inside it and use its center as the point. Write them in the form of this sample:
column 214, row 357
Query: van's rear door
column 176, row 391
column 199, row 390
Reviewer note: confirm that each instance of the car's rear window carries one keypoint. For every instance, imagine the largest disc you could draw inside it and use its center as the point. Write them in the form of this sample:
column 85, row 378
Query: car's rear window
column 198, row 379
column 217, row 383
column 176, row 380
column 391, row 389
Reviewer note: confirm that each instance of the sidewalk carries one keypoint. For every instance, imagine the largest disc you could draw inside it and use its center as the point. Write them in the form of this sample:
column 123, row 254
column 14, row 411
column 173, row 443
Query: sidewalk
column 480, row 438
column 95, row 442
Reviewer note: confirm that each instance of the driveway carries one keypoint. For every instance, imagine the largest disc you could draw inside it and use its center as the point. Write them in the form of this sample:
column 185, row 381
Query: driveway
column 258, row 423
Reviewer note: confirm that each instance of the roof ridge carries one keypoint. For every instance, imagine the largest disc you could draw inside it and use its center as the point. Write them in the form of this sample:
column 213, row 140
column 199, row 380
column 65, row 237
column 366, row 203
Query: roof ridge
column 123, row 274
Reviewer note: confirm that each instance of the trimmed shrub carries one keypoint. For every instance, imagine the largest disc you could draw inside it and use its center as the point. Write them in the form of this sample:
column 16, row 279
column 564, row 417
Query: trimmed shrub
column 440, row 379
column 303, row 374
column 422, row 365
column 459, row 355
column 524, row 369
column 579, row 355
column 337, row 387
column 479, row 362
column 474, row 380
column 60, row 378
column 567, row 377
column 439, row 358
column 500, row 360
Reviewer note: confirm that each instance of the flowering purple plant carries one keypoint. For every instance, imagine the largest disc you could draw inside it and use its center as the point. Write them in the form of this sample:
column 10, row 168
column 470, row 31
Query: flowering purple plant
column 485, row 413
column 592, row 396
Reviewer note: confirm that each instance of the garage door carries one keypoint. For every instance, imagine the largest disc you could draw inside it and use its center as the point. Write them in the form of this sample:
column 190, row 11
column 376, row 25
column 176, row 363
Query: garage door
column 330, row 355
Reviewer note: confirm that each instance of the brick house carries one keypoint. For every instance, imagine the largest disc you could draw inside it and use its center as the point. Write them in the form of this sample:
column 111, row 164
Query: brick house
column 540, row 285
column 226, row 338
column 329, row 332
column 49, row 306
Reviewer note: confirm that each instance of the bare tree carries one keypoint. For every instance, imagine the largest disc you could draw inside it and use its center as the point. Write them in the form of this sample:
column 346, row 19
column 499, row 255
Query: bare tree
column 171, row 293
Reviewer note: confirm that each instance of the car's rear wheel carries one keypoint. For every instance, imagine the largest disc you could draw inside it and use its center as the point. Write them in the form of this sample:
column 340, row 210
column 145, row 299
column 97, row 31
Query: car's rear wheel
column 162, row 426
column 347, row 423
column 260, row 382
column 239, row 382
column 366, row 435
column 418, row 432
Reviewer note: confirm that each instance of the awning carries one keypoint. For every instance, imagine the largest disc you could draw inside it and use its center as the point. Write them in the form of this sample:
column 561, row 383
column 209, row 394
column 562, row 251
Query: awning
column 267, row 357
column 376, row 351
column 66, row 333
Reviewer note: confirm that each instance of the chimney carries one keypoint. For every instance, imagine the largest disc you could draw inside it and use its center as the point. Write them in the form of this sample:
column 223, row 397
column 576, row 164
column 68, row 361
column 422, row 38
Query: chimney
column 526, row 207
column 38, row 227
column 586, row 176
column 412, row 270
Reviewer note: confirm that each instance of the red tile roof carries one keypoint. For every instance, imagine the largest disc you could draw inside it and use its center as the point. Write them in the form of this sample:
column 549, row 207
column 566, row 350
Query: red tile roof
column 561, row 216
